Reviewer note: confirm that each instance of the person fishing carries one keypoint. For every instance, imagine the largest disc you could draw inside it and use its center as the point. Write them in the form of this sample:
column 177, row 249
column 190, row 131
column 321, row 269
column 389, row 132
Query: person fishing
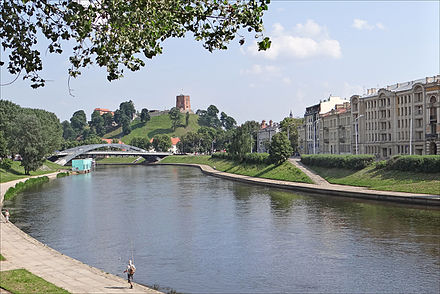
column 131, row 269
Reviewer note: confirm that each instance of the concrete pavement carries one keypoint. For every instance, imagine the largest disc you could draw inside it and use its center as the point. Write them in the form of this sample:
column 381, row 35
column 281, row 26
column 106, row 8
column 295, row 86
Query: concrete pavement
column 23, row 251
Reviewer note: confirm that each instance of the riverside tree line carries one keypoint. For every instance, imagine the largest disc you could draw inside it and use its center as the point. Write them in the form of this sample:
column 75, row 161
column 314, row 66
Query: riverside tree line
column 35, row 134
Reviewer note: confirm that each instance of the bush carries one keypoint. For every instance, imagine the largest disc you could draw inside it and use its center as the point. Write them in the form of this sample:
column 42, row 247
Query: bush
column 6, row 163
column 256, row 158
column 21, row 186
column 354, row 162
column 62, row 175
column 248, row 158
column 380, row 164
column 416, row 163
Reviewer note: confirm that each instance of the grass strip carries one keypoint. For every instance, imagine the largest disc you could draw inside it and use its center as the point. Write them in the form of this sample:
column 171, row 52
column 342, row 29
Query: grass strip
column 119, row 160
column 2, row 258
column 17, row 171
column 22, row 281
column 383, row 179
column 20, row 187
column 285, row 171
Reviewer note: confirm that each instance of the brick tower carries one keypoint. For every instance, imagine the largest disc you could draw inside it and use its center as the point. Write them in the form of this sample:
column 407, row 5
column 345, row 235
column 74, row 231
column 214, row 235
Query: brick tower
column 183, row 103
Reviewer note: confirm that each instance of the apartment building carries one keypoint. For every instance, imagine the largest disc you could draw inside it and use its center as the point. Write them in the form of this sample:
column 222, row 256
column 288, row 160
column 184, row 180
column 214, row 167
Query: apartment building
column 265, row 134
column 311, row 133
column 335, row 130
column 403, row 118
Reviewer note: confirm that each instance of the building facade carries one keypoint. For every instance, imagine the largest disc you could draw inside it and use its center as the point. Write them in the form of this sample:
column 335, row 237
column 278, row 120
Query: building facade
column 310, row 134
column 265, row 134
column 403, row 118
column 335, row 130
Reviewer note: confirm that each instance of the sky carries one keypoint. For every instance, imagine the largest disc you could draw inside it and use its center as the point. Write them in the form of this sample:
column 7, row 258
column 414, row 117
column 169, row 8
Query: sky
column 319, row 48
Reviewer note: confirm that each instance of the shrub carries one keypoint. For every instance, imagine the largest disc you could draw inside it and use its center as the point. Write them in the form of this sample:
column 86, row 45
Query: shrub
column 416, row 163
column 61, row 175
column 354, row 162
column 256, row 158
column 6, row 163
column 248, row 158
column 380, row 164
column 21, row 186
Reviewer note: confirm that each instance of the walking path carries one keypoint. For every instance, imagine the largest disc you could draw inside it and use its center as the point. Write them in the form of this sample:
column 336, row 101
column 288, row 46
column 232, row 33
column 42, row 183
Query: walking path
column 23, row 251
column 317, row 179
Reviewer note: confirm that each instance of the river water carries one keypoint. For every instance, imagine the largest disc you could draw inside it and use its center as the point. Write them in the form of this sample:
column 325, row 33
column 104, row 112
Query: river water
column 196, row 233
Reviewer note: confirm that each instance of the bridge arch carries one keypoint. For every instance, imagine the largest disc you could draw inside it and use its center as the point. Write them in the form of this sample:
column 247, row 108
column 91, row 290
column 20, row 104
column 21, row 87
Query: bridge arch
column 67, row 155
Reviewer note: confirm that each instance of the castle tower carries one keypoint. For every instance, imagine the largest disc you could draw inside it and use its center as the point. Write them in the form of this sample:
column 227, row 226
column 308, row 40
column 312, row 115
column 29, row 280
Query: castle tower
column 183, row 103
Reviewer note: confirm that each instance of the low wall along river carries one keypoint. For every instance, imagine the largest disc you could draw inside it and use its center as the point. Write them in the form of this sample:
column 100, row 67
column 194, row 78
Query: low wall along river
column 196, row 233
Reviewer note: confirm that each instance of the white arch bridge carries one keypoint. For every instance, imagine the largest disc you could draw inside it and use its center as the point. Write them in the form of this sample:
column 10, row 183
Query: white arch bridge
column 63, row 157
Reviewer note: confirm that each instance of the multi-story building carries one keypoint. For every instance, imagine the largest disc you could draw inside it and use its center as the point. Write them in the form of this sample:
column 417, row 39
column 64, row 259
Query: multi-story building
column 403, row 118
column 335, row 130
column 265, row 134
column 309, row 134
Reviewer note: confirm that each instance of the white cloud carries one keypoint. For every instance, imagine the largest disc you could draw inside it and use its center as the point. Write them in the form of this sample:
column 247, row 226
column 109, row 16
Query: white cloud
column 361, row 24
column 304, row 41
column 286, row 80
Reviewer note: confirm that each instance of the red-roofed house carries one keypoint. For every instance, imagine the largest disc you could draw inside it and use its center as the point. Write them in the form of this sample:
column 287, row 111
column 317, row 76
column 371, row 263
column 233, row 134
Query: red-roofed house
column 110, row 141
column 104, row 110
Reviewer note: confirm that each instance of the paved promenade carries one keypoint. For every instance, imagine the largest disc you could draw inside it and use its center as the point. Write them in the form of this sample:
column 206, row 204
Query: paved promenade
column 23, row 251
column 324, row 188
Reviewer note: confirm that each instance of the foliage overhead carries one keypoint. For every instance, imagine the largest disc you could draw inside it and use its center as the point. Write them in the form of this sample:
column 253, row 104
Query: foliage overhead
column 116, row 33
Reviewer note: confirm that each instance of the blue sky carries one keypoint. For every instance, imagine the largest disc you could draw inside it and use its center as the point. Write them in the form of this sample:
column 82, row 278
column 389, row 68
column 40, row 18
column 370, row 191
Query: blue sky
column 319, row 48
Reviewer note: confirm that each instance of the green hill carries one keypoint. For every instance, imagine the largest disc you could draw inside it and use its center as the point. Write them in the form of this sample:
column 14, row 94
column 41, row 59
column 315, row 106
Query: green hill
column 157, row 125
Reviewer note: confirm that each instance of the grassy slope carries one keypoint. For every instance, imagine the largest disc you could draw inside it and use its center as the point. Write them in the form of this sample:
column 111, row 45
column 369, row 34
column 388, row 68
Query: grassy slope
column 285, row 171
column 22, row 281
column 124, row 159
column 386, row 180
column 17, row 172
column 157, row 125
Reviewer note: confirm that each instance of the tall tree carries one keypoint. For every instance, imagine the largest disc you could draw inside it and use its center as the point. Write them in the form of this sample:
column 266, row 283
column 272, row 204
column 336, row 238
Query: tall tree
column 78, row 121
column 145, row 115
column 209, row 118
column 36, row 134
column 68, row 132
column 128, row 109
column 125, row 122
column 108, row 121
column 112, row 33
column 8, row 112
column 187, row 115
column 280, row 149
column 175, row 116
column 289, row 126
column 241, row 143
column 97, row 123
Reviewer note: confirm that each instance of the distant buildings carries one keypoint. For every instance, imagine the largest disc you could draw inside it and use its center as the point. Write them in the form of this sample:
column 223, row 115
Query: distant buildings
column 403, row 118
column 265, row 134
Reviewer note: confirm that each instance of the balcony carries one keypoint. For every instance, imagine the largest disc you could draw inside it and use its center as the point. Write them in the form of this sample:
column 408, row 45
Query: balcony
column 431, row 136
column 433, row 117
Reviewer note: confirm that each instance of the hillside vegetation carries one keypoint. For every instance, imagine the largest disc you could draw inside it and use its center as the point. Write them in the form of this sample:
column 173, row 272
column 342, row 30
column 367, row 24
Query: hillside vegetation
column 157, row 125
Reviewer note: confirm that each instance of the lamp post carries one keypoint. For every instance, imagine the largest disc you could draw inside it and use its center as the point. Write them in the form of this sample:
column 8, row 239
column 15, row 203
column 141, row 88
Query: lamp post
column 357, row 129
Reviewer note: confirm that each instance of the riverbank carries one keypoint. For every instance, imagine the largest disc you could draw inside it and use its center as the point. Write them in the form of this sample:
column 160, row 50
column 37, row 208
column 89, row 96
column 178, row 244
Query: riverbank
column 21, row 251
column 16, row 171
column 327, row 189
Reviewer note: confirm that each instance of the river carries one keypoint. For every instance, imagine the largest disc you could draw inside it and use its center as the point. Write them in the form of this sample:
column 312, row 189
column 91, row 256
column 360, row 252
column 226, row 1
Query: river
column 196, row 233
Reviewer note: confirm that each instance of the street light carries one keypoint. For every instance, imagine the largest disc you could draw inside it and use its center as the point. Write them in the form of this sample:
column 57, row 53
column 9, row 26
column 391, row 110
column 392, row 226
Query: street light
column 357, row 129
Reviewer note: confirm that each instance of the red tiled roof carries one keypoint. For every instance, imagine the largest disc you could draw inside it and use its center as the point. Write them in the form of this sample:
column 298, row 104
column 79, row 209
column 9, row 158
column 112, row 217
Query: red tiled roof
column 174, row 141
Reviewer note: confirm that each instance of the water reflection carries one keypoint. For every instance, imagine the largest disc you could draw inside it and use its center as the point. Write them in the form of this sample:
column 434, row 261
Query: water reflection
column 196, row 233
